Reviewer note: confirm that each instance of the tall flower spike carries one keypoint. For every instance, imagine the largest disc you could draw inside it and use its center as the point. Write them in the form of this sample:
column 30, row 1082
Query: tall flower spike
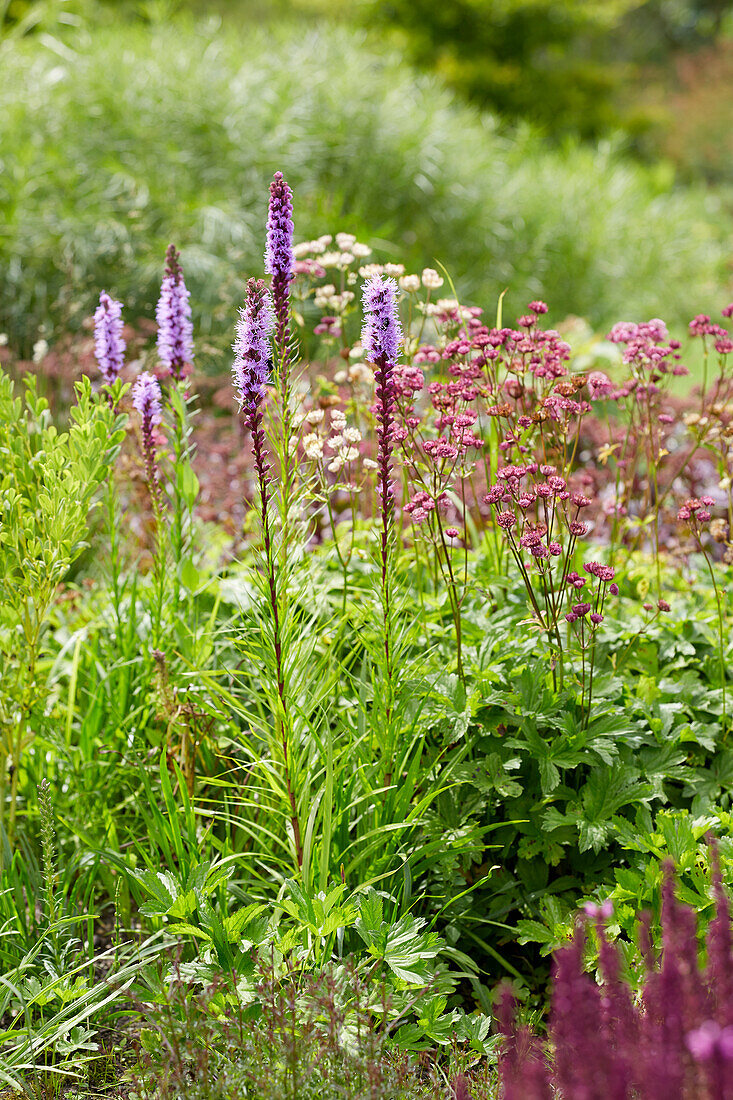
column 252, row 346
column 250, row 373
column 109, row 347
column 146, row 398
column 380, row 339
column 280, row 262
column 173, row 314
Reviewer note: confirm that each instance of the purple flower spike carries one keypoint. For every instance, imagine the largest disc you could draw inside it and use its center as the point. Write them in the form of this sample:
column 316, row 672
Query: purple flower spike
column 173, row 314
column 279, row 257
column 252, row 345
column 381, row 335
column 146, row 399
column 109, row 347
column 280, row 262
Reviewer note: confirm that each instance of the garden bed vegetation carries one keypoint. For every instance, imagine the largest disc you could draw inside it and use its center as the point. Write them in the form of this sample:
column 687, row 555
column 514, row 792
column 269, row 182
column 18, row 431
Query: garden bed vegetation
column 304, row 803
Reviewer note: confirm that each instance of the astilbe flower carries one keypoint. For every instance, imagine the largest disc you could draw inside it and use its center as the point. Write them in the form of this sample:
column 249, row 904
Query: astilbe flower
column 146, row 398
column 173, row 314
column 109, row 346
column 523, row 1066
column 676, row 1041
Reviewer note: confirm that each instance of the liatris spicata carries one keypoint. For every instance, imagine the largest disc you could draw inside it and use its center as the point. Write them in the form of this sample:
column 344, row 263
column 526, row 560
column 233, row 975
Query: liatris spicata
column 146, row 398
column 173, row 314
column 381, row 337
column 109, row 346
column 279, row 262
column 250, row 374
column 252, row 347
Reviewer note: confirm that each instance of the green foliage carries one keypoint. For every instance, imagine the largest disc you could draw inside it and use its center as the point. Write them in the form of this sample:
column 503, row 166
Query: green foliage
column 560, row 63
column 48, row 480
column 172, row 133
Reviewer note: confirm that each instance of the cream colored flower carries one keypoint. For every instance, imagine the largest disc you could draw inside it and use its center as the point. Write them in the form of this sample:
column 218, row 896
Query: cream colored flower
column 368, row 270
column 315, row 416
column 360, row 372
column 361, row 250
column 410, row 283
column 352, row 435
column 40, row 350
column 345, row 241
column 335, row 464
column 312, row 446
column 431, row 279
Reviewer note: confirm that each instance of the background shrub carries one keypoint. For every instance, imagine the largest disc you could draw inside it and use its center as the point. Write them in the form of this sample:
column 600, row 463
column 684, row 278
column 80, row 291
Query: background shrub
column 145, row 135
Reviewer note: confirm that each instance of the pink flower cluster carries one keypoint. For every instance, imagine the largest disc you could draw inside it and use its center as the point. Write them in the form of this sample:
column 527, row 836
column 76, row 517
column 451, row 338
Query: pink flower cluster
column 695, row 511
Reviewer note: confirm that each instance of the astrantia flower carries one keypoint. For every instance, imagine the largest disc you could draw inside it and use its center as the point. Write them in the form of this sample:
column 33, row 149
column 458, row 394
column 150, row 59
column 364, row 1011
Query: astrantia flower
column 173, row 314
column 251, row 367
column 381, row 334
column 109, row 347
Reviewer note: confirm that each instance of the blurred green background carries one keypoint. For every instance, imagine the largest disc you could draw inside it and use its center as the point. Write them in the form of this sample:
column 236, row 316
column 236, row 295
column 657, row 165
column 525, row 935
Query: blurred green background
column 577, row 150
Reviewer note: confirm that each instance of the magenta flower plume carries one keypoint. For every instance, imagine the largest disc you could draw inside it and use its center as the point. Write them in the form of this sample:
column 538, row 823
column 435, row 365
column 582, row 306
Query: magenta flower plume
column 173, row 314
column 109, row 347
column 252, row 346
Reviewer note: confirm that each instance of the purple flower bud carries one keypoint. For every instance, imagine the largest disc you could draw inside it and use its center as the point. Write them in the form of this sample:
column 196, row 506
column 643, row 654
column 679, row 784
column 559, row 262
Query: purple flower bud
column 381, row 335
column 279, row 257
column 252, row 345
column 173, row 314
column 613, row 589
column 109, row 347
column 596, row 618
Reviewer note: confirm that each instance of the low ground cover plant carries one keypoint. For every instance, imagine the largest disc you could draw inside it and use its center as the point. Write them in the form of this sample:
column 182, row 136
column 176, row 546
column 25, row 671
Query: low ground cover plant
column 462, row 668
